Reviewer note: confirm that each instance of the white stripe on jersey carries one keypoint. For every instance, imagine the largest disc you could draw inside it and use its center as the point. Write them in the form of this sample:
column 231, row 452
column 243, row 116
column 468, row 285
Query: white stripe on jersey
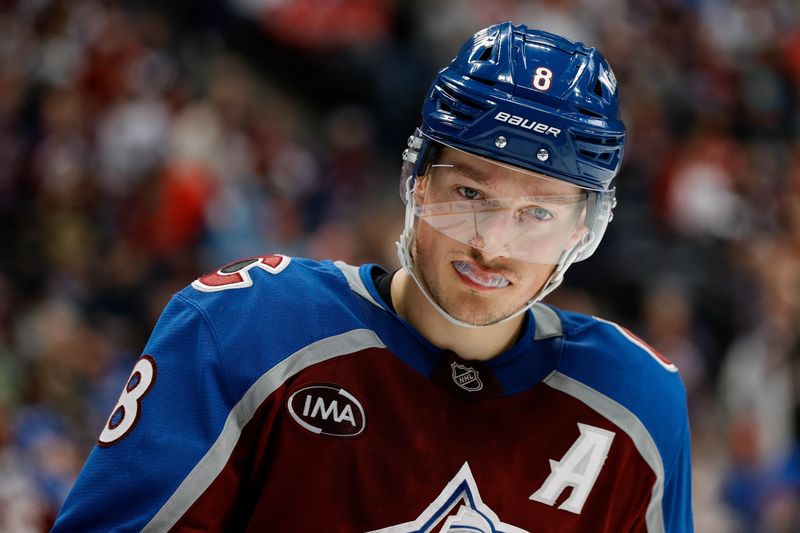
column 638, row 342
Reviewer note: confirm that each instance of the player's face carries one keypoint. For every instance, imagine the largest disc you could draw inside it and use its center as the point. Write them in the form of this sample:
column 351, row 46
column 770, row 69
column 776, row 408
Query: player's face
column 472, row 284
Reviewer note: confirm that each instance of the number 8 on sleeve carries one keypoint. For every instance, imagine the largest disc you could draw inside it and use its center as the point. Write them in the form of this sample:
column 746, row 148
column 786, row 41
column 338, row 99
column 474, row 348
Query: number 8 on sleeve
column 128, row 408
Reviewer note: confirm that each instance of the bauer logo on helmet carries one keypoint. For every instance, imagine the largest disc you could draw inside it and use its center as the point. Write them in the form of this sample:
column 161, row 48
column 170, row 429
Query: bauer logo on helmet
column 522, row 122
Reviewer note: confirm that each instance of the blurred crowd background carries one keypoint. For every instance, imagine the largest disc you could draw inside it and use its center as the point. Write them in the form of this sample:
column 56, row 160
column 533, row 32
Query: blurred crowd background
column 145, row 143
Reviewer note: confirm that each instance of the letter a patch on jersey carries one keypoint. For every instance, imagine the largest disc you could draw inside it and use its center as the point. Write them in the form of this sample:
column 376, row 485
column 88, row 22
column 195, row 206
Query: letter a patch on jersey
column 578, row 469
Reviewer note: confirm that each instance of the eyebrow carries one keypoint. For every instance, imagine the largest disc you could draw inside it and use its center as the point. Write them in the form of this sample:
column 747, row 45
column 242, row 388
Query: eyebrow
column 470, row 172
column 489, row 181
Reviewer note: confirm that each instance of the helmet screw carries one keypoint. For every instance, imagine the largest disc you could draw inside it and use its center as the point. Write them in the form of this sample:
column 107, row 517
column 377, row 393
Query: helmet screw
column 501, row 142
column 542, row 155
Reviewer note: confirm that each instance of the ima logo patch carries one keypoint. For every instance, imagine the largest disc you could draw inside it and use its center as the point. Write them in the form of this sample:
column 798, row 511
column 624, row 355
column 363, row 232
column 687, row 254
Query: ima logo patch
column 466, row 377
column 459, row 508
column 326, row 409
column 236, row 275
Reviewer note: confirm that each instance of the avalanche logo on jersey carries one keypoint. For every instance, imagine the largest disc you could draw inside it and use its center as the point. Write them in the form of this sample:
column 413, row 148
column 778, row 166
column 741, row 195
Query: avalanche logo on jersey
column 459, row 508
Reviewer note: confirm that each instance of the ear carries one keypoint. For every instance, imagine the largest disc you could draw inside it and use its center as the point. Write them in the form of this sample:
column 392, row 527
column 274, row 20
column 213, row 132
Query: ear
column 420, row 187
column 579, row 231
column 577, row 235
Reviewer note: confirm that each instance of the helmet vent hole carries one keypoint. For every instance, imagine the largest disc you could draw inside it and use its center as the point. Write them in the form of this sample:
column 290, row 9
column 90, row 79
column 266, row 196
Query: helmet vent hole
column 487, row 54
column 484, row 81
column 590, row 113
column 598, row 88
column 446, row 108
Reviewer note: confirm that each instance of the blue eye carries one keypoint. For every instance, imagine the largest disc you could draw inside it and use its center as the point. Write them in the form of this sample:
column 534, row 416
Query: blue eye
column 469, row 193
column 538, row 213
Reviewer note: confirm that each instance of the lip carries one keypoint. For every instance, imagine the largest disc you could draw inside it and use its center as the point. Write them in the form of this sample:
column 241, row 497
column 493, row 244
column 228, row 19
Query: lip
column 481, row 272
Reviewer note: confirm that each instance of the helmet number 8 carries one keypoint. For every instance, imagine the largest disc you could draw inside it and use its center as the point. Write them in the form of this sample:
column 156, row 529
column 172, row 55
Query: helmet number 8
column 543, row 78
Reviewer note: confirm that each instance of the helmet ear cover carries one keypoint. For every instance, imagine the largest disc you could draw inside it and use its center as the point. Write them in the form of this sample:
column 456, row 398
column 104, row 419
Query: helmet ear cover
column 421, row 153
column 429, row 157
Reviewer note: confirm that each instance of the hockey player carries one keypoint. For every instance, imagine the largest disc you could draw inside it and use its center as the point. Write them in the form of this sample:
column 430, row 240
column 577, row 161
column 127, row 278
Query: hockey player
column 283, row 394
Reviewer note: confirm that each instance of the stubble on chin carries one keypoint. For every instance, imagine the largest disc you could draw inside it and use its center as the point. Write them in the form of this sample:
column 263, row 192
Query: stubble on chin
column 467, row 305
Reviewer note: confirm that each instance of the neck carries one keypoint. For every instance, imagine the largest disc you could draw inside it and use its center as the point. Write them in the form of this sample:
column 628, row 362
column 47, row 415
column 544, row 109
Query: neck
column 480, row 343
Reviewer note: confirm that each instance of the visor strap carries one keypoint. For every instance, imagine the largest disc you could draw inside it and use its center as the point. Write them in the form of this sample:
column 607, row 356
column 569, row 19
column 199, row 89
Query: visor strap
column 557, row 277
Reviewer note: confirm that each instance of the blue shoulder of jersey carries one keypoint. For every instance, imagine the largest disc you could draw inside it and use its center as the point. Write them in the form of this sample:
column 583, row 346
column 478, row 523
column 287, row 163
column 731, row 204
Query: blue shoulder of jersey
column 613, row 361
column 271, row 308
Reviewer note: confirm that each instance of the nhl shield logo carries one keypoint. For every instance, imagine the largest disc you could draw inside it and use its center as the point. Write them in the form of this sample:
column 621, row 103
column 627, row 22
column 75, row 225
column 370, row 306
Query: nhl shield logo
column 466, row 377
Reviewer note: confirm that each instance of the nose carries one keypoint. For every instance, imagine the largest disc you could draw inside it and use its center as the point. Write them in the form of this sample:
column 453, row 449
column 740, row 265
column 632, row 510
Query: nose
column 490, row 256
column 490, row 260
column 489, row 250
column 493, row 235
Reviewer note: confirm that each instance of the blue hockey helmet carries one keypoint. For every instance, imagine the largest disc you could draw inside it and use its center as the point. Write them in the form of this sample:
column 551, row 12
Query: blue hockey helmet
column 530, row 99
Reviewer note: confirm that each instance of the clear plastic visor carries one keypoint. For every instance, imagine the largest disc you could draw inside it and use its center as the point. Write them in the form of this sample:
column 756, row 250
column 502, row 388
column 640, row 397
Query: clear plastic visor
column 506, row 212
